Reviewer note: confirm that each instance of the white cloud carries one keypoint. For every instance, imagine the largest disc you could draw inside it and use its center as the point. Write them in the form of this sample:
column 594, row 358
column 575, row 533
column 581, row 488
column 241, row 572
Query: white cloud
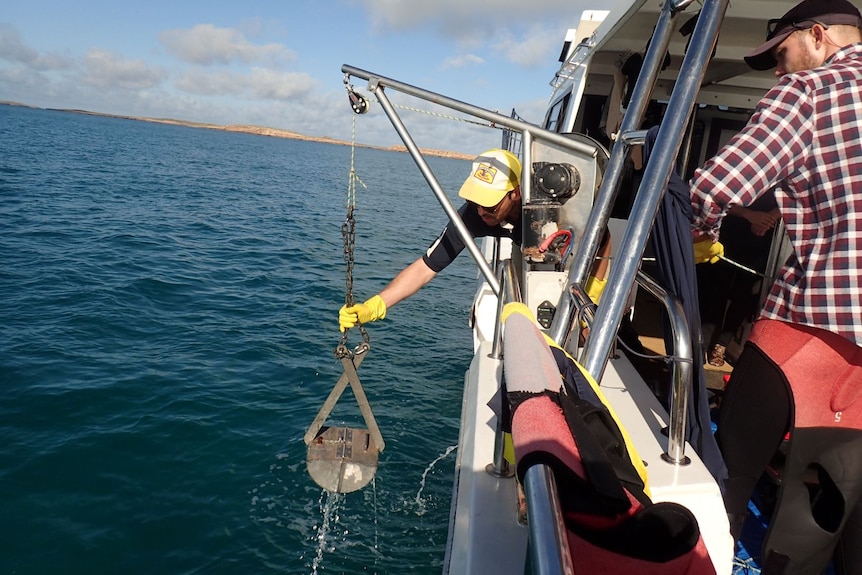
column 14, row 49
column 203, row 82
column 482, row 29
column 207, row 45
column 273, row 85
column 261, row 83
column 20, row 78
column 465, row 21
column 531, row 49
column 242, row 72
column 463, row 60
column 108, row 70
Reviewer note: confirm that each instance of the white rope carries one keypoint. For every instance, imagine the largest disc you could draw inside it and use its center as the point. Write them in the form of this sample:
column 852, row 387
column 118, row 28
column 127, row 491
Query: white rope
column 445, row 116
column 352, row 178
column 725, row 258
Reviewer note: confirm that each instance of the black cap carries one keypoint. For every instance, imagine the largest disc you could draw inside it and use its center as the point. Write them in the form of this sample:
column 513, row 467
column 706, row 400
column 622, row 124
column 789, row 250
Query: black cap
column 800, row 17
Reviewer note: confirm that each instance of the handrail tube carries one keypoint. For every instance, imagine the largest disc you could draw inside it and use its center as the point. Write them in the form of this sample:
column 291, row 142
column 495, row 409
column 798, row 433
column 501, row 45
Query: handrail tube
column 496, row 344
column 681, row 4
column 530, row 366
column 682, row 364
column 499, row 466
column 656, row 175
column 493, row 117
column 450, row 210
column 527, row 159
column 682, row 369
column 549, row 547
column 609, row 188
column 511, row 292
column 581, row 302
column 495, row 253
column 635, row 138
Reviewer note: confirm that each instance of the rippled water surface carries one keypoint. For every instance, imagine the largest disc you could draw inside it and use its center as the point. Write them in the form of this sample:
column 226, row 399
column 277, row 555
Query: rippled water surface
column 169, row 317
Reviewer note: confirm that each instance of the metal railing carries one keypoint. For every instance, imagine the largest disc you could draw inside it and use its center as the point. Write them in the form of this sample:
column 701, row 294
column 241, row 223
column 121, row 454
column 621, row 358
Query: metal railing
column 549, row 548
column 377, row 85
column 510, row 292
column 682, row 359
column 683, row 365
column 657, row 172
column 531, row 368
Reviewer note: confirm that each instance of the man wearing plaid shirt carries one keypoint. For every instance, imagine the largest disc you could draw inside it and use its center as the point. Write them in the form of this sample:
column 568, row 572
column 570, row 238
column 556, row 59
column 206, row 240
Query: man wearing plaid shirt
column 805, row 137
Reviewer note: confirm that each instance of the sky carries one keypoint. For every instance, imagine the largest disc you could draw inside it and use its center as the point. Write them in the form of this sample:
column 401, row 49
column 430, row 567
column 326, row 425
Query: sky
column 277, row 63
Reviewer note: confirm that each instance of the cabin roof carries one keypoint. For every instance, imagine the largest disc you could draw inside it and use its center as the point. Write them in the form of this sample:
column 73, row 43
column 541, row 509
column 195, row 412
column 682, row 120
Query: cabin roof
column 728, row 80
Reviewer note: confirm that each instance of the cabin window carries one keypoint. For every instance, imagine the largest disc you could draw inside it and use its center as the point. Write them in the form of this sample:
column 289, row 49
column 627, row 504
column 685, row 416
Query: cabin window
column 720, row 132
column 591, row 118
column 557, row 113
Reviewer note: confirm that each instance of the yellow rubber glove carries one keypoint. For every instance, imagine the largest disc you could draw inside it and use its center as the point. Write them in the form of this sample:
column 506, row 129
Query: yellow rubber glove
column 371, row 310
column 595, row 287
column 706, row 250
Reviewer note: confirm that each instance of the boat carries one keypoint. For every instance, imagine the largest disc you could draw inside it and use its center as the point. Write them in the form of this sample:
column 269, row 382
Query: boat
column 677, row 61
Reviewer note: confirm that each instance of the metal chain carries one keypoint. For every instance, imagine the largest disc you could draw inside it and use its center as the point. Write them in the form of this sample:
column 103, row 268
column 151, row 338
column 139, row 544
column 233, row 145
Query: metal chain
column 348, row 235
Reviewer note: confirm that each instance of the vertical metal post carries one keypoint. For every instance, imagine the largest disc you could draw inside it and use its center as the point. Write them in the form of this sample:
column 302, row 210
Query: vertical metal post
column 527, row 159
column 549, row 546
column 497, row 344
column 656, row 175
column 609, row 187
column 510, row 292
column 500, row 467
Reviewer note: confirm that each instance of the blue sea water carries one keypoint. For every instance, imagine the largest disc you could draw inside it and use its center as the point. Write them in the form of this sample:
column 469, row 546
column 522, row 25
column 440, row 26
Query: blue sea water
column 169, row 317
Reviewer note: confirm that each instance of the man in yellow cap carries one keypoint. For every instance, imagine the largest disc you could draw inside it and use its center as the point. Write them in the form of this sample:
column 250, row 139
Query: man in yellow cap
column 493, row 208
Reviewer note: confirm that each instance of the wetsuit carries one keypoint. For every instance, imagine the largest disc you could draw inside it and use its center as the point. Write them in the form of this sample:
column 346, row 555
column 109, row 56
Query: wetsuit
column 448, row 244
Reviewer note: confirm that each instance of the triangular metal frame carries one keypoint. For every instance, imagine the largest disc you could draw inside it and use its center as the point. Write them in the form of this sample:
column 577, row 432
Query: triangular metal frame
column 344, row 459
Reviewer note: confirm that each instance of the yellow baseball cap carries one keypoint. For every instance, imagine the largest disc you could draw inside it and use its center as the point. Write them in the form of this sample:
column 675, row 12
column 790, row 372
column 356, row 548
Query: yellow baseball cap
column 495, row 173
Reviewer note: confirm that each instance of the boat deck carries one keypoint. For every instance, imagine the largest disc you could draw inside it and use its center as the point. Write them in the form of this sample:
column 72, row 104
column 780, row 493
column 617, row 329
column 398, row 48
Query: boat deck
column 647, row 322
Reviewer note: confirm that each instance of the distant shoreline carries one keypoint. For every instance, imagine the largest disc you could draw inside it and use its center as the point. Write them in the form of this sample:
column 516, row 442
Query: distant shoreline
column 249, row 129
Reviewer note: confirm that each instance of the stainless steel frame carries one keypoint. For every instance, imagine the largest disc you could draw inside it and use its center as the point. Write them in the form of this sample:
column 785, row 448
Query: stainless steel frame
column 549, row 549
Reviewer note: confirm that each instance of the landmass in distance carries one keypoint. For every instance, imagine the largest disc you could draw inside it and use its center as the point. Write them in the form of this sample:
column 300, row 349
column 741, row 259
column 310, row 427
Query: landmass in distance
column 249, row 129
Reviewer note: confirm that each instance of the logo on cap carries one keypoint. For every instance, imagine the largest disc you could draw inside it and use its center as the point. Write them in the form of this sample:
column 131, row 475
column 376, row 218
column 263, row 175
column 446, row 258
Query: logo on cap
column 485, row 173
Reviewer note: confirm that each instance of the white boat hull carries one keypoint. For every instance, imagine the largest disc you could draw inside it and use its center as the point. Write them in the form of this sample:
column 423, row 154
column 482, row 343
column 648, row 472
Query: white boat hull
column 484, row 533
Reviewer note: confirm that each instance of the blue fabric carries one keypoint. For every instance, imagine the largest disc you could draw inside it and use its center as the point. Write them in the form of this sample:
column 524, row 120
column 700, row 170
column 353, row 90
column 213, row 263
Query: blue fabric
column 671, row 241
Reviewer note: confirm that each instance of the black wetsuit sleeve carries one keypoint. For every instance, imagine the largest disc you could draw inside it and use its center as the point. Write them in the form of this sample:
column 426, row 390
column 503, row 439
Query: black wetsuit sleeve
column 448, row 244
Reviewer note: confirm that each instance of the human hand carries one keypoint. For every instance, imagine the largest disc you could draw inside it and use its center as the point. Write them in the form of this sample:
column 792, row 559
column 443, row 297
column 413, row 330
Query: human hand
column 706, row 250
column 762, row 222
column 372, row 310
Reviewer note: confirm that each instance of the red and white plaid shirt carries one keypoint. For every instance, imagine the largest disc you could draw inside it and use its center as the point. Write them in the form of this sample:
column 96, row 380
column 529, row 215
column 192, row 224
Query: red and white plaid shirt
column 806, row 137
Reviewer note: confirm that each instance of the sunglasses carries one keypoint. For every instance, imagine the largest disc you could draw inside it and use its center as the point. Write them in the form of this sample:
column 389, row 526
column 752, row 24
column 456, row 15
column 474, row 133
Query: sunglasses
column 777, row 23
column 494, row 209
